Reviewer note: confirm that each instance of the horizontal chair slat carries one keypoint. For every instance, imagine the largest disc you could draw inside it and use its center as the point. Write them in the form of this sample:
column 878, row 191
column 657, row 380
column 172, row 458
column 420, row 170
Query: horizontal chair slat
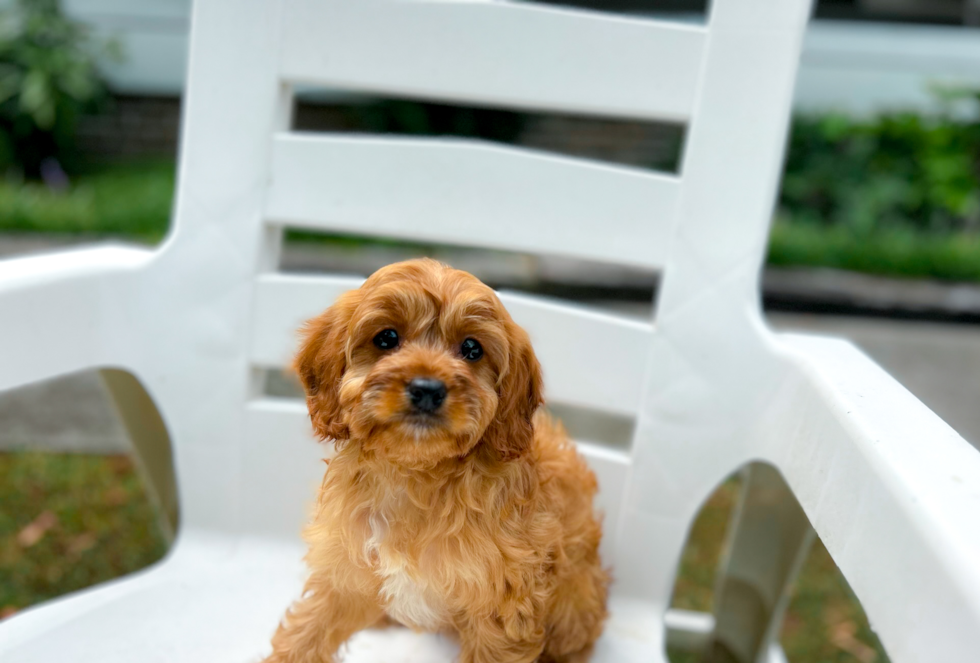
column 496, row 53
column 282, row 304
column 472, row 194
column 589, row 358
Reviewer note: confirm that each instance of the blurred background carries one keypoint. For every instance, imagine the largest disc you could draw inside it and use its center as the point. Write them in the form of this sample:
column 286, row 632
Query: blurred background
column 876, row 237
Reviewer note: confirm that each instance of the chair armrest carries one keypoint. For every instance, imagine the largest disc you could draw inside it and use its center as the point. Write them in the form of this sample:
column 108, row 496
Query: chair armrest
column 65, row 311
column 893, row 492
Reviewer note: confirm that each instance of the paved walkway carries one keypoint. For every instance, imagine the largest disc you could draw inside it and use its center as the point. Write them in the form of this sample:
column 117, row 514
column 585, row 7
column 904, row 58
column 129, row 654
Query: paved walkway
column 72, row 414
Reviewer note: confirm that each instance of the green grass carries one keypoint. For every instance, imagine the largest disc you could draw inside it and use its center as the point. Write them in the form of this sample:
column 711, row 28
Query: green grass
column 130, row 201
column 824, row 621
column 69, row 521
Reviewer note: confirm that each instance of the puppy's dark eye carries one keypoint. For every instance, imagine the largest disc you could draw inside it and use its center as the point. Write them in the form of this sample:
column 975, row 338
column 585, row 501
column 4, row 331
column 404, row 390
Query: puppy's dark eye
column 386, row 339
column 471, row 349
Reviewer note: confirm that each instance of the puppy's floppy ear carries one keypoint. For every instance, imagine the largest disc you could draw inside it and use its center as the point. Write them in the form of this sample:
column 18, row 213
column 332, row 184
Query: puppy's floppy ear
column 321, row 362
column 520, row 393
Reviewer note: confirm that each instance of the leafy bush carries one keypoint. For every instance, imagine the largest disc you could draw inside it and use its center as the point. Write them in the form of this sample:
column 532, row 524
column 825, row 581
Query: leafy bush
column 900, row 171
column 418, row 118
column 896, row 195
column 131, row 200
column 904, row 252
column 47, row 77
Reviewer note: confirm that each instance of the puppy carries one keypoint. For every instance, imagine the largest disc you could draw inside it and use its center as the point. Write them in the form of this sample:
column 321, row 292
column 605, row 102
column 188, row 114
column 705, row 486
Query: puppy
column 451, row 505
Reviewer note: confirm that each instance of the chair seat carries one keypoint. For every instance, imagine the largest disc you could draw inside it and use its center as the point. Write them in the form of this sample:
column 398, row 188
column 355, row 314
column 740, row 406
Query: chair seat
column 219, row 601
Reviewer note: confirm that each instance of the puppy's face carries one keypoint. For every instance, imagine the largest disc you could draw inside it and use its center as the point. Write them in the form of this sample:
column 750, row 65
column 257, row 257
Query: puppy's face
column 419, row 364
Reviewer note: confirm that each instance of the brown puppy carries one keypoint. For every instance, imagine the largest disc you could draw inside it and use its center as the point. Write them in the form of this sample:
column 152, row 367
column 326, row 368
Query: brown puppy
column 451, row 505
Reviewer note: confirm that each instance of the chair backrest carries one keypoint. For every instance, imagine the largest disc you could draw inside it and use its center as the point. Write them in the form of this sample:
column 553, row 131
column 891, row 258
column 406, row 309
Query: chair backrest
column 225, row 315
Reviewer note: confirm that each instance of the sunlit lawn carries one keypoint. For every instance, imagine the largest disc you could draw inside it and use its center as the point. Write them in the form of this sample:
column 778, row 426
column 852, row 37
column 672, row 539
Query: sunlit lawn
column 68, row 522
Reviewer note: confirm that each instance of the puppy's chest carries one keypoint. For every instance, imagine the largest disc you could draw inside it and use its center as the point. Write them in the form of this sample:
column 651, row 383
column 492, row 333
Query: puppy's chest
column 409, row 594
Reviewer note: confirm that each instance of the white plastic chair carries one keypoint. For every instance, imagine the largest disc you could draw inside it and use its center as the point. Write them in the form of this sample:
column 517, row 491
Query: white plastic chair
column 892, row 491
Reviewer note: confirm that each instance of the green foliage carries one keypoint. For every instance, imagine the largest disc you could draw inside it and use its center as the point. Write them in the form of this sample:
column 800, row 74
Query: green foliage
column 131, row 200
column 897, row 195
column 899, row 251
column 900, row 171
column 431, row 119
column 48, row 77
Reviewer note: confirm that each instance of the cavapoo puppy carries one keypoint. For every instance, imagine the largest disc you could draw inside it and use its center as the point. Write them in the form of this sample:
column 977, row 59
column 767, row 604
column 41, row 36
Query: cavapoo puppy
column 452, row 504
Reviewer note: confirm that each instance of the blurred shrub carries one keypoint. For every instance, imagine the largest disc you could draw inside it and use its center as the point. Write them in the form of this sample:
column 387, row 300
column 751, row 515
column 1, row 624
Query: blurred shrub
column 422, row 118
column 131, row 200
column 900, row 171
column 48, row 77
column 904, row 252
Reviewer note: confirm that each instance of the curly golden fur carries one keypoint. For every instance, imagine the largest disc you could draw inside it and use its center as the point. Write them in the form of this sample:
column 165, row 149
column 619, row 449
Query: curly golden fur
column 475, row 520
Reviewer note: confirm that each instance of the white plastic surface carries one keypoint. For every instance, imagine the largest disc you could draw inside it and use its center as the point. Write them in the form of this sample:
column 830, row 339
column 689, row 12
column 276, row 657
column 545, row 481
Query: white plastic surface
column 512, row 199
column 502, row 53
column 891, row 490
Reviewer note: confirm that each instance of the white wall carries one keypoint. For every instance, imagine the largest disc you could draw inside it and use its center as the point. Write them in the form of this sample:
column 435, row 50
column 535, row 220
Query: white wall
column 863, row 68
column 860, row 68
column 153, row 34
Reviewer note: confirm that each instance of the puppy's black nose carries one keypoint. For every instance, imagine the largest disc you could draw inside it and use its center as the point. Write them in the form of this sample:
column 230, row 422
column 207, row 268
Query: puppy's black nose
column 426, row 394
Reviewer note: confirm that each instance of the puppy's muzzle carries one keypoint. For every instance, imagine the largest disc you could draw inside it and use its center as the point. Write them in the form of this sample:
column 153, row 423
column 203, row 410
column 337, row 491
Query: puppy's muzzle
column 426, row 394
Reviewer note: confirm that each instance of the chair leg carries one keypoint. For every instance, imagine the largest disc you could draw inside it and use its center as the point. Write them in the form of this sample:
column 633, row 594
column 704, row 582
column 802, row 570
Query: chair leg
column 768, row 541
column 151, row 443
